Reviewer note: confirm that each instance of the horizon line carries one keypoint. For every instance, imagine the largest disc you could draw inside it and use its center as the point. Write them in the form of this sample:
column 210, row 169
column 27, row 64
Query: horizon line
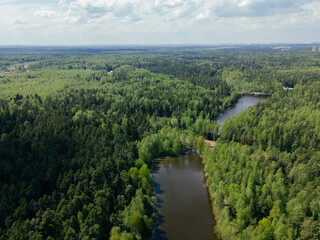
column 158, row 44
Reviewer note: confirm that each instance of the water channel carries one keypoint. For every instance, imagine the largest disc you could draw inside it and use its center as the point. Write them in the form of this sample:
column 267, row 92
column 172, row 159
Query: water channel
column 183, row 203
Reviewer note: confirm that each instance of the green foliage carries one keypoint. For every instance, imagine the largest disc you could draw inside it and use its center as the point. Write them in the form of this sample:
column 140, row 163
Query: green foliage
column 136, row 223
column 74, row 154
column 200, row 144
column 135, row 215
column 287, row 121
column 207, row 128
column 166, row 142
column 116, row 234
column 266, row 184
column 70, row 150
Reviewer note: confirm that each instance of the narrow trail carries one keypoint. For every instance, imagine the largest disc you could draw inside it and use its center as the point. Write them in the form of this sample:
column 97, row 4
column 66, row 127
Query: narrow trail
column 211, row 143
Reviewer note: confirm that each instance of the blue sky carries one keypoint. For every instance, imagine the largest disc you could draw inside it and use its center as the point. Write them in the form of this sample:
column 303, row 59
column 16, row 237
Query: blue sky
column 82, row 22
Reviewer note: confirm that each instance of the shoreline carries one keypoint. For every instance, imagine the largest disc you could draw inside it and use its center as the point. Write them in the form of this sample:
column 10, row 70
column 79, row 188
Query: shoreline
column 213, row 208
column 257, row 94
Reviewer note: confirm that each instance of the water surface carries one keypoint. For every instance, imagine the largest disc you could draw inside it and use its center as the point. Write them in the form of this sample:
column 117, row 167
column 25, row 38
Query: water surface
column 243, row 103
column 183, row 204
column 182, row 200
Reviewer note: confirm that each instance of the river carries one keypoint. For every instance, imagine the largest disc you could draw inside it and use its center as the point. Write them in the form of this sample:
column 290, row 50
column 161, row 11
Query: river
column 183, row 204
column 243, row 103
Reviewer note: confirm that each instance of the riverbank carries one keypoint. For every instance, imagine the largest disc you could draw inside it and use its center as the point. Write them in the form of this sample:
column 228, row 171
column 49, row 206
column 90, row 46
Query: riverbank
column 244, row 102
column 256, row 94
column 182, row 182
column 210, row 193
column 212, row 203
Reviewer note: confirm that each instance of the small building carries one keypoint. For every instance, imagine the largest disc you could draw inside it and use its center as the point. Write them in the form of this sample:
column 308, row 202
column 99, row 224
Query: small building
column 287, row 88
column 314, row 48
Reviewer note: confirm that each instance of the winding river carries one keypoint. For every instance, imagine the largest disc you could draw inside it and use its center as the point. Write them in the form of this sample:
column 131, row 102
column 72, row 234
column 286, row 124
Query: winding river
column 183, row 204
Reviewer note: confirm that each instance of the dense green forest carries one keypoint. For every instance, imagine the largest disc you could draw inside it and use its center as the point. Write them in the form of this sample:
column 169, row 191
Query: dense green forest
column 75, row 144
column 80, row 128
column 264, row 174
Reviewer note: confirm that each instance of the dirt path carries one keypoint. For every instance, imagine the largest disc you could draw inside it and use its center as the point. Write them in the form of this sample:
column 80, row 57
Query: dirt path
column 211, row 143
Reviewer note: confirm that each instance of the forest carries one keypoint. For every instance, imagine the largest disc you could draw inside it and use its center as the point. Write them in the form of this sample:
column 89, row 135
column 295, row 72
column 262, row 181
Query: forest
column 80, row 129
column 264, row 173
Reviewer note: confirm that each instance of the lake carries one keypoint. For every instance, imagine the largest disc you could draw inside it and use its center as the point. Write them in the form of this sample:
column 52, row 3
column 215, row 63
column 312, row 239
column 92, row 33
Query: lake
column 183, row 204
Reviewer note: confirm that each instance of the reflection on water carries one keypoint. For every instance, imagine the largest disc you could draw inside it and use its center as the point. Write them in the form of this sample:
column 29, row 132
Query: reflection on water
column 243, row 103
column 182, row 200
column 184, row 208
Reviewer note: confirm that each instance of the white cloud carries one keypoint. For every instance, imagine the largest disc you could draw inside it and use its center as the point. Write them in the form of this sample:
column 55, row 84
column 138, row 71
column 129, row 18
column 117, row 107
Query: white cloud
column 157, row 21
column 19, row 20
column 203, row 15
column 168, row 3
column 259, row 8
column 46, row 14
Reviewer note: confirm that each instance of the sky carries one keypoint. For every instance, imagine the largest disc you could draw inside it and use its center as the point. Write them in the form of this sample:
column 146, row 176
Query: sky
column 105, row 22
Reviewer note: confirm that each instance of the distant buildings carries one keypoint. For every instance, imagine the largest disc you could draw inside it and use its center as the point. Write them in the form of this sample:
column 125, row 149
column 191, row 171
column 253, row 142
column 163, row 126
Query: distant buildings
column 314, row 49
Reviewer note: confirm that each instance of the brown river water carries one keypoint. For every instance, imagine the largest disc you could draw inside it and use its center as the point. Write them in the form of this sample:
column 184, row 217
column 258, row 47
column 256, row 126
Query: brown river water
column 183, row 204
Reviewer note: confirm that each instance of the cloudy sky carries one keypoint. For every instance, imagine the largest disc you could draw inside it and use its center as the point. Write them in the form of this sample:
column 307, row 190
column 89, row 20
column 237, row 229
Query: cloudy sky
column 82, row 22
